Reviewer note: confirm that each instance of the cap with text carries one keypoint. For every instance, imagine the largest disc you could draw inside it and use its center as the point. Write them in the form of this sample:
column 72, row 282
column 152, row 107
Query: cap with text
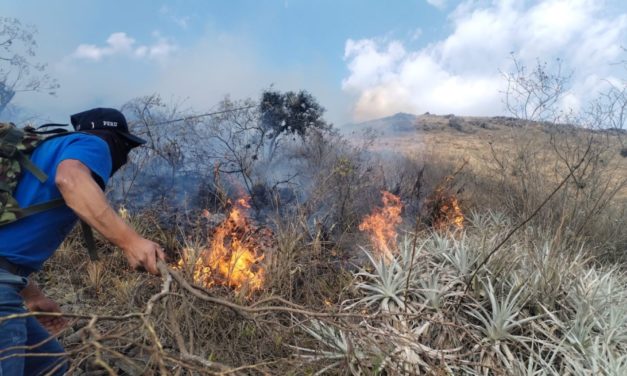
column 105, row 118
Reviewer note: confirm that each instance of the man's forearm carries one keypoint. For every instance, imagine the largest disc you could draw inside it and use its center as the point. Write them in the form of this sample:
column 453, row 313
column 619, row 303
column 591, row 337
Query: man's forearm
column 100, row 216
column 83, row 195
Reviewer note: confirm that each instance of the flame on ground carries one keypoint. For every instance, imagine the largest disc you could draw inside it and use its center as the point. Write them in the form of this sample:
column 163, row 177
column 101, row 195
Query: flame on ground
column 381, row 225
column 445, row 212
column 231, row 259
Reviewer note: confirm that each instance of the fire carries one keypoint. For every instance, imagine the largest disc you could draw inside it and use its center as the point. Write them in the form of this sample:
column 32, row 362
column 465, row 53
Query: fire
column 381, row 224
column 231, row 258
column 445, row 212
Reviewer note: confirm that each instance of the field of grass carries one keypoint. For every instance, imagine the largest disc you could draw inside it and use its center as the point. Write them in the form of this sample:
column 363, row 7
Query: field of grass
column 526, row 287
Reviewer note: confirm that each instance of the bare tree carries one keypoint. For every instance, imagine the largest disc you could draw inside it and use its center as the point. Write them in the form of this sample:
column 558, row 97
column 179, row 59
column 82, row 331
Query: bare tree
column 611, row 107
column 581, row 145
column 236, row 140
column 18, row 73
column 534, row 94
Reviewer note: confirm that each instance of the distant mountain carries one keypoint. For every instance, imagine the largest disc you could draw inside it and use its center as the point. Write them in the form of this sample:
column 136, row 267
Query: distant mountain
column 400, row 122
column 403, row 132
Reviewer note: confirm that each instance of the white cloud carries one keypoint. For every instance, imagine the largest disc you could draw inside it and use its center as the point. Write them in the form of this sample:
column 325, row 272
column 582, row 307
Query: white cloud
column 440, row 4
column 197, row 76
column 460, row 74
column 120, row 44
column 89, row 52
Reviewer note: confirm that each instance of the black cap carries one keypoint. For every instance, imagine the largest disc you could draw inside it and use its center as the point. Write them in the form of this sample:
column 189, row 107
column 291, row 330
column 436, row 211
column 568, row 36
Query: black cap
column 105, row 118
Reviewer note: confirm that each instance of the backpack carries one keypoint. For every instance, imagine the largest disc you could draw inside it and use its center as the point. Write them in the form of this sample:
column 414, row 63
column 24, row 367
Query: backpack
column 16, row 146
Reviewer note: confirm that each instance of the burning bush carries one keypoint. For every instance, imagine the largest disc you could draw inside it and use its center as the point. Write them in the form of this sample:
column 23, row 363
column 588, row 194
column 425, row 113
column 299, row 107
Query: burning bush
column 381, row 225
column 444, row 211
column 233, row 257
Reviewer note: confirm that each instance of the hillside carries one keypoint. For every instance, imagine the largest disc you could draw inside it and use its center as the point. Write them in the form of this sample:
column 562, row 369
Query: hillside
column 475, row 139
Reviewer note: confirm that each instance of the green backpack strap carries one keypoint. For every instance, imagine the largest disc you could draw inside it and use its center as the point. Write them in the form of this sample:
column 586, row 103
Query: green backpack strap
column 30, row 166
column 38, row 208
column 4, row 187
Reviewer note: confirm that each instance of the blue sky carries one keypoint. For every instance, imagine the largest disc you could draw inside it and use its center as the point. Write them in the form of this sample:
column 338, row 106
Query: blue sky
column 361, row 59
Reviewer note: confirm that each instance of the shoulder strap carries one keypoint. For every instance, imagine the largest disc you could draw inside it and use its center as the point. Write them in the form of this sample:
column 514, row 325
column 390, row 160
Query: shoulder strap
column 38, row 208
column 58, row 129
column 58, row 126
column 30, row 166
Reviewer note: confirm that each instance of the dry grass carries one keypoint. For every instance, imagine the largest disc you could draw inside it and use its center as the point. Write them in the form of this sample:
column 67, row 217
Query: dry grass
column 550, row 301
column 511, row 166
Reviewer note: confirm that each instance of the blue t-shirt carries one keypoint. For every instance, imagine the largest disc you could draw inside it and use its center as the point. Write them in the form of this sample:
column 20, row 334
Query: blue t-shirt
column 30, row 241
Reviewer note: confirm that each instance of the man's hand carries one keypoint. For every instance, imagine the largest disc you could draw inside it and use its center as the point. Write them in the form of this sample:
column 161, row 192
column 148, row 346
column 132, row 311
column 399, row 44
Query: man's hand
column 144, row 253
column 42, row 303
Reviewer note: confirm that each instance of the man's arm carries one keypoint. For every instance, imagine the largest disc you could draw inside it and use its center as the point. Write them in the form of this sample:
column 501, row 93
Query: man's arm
column 83, row 195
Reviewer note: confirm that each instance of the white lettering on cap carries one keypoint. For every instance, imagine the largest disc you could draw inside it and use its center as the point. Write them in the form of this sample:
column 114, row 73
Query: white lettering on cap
column 110, row 123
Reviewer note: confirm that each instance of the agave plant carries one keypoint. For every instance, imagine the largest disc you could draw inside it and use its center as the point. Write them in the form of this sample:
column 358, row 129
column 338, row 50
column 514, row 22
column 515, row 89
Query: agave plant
column 614, row 317
column 439, row 244
column 434, row 291
column 614, row 365
column 550, row 313
column 409, row 355
column 498, row 219
column 533, row 365
column 600, row 360
column 411, row 253
column 598, row 288
column 479, row 220
column 498, row 323
column 336, row 347
column 547, row 272
column 386, row 287
column 582, row 329
column 462, row 257
column 489, row 221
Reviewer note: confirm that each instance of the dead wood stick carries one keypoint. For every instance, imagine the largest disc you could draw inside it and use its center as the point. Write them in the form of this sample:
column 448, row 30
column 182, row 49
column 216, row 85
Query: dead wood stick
column 186, row 355
column 247, row 311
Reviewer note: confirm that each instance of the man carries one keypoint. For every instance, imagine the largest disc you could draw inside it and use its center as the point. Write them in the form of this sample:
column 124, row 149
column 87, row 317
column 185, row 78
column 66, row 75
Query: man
column 78, row 166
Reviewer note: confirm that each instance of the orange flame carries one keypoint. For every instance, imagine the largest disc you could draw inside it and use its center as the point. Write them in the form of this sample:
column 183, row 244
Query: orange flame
column 231, row 259
column 381, row 224
column 445, row 210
